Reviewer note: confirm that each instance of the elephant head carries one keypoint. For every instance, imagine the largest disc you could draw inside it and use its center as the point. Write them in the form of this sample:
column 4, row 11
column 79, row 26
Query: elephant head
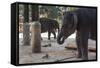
column 68, row 26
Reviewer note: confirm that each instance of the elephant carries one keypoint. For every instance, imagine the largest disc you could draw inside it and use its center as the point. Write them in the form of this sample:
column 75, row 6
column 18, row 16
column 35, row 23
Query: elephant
column 50, row 26
column 83, row 21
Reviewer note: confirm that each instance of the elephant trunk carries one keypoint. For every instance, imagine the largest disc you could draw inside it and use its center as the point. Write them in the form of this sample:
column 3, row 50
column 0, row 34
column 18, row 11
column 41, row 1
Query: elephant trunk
column 60, row 39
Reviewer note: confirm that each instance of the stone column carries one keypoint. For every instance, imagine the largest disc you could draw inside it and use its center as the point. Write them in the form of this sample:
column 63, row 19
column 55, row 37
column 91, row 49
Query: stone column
column 36, row 37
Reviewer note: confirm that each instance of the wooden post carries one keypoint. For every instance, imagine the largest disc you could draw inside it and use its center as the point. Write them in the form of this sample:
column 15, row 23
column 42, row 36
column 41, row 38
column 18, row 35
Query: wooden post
column 36, row 31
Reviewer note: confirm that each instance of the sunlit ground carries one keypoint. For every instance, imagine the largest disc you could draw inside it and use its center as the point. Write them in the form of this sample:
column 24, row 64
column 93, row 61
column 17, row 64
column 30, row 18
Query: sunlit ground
column 55, row 51
column 46, row 35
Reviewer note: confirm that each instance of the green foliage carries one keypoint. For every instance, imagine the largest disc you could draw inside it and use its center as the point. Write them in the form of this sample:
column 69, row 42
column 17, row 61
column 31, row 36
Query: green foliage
column 54, row 12
column 71, row 8
column 51, row 11
column 30, row 9
column 21, row 9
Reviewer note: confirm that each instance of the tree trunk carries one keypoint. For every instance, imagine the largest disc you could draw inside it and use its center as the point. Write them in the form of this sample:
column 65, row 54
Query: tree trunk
column 26, row 31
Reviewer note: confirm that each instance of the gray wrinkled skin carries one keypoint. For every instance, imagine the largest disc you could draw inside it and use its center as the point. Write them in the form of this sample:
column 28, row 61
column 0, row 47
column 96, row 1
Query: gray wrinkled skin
column 84, row 21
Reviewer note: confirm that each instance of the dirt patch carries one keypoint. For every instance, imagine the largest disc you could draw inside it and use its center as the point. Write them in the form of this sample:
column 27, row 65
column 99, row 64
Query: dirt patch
column 51, row 53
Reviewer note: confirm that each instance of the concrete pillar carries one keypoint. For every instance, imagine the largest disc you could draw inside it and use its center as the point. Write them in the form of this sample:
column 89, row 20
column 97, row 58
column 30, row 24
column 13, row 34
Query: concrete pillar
column 36, row 37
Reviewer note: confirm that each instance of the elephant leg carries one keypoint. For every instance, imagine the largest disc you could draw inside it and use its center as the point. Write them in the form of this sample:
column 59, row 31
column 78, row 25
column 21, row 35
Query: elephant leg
column 49, row 34
column 84, row 35
column 53, row 31
column 78, row 45
column 41, row 38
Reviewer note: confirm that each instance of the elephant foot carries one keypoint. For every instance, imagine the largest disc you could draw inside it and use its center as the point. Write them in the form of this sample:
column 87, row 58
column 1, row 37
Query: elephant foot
column 79, row 56
column 85, row 58
column 41, row 39
column 54, row 37
column 48, row 38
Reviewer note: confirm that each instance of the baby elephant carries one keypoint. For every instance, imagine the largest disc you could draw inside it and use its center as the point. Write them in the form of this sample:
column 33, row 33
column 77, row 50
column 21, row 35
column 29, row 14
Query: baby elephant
column 84, row 22
column 49, row 25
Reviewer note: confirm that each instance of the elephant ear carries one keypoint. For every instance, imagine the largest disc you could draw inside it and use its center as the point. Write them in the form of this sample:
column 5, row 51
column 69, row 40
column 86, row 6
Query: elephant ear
column 75, row 21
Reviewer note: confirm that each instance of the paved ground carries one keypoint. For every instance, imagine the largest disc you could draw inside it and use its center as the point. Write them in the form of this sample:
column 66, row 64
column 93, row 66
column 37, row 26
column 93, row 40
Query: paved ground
column 54, row 52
